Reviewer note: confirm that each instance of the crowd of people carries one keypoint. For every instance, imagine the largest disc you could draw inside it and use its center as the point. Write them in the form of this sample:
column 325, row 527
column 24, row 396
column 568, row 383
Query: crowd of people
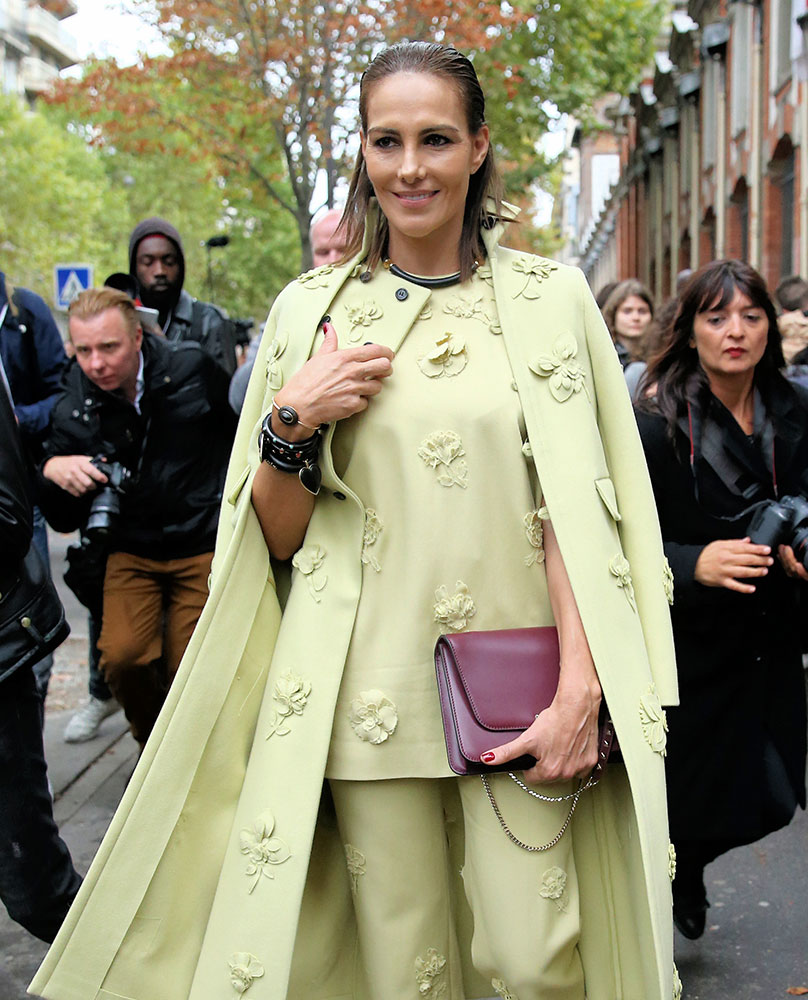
column 269, row 544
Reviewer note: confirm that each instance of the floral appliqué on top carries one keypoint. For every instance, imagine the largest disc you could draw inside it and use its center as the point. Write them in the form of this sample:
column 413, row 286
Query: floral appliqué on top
column 562, row 368
column 553, row 885
column 671, row 862
column 317, row 277
column 535, row 270
column 484, row 271
column 620, row 569
column 453, row 611
column 308, row 561
column 244, row 970
column 427, row 971
column 667, row 580
column 447, row 357
column 373, row 528
column 502, row 990
column 444, row 451
column 262, row 849
column 274, row 351
column 534, row 529
column 426, row 312
column 373, row 716
column 361, row 316
column 290, row 696
column 355, row 860
column 654, row 721
column 468, row 307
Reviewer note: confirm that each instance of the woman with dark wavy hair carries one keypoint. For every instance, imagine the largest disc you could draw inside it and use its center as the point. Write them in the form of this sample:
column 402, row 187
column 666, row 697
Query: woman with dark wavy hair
column 433, row 440
column 725, row 434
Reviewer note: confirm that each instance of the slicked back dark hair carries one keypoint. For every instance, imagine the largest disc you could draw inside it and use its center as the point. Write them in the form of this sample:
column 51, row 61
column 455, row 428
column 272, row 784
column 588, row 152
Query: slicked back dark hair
column 446, row 62
column 676, row 370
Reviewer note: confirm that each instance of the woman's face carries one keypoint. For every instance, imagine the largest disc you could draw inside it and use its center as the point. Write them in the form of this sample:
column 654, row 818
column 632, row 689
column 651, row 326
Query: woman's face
column 420, row 155
column 730, row 341
column 632, row 317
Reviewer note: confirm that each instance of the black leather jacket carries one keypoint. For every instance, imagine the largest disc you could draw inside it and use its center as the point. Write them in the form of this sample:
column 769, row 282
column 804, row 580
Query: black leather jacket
column 16, row 520
column 207, row 325
column 177, row 448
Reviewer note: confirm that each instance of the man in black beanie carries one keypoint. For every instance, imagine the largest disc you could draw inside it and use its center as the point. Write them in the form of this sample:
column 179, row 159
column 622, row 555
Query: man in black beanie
column 157, row 262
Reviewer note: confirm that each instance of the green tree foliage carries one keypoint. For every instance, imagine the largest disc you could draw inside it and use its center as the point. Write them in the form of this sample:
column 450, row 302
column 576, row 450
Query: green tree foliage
column 58, row 203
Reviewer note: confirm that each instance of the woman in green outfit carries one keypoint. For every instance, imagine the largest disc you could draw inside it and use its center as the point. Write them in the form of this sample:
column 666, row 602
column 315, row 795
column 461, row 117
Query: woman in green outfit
column 438, row 439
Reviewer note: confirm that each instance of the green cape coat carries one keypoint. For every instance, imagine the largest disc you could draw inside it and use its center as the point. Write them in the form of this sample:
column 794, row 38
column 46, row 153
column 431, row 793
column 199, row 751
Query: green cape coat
column 176, row 904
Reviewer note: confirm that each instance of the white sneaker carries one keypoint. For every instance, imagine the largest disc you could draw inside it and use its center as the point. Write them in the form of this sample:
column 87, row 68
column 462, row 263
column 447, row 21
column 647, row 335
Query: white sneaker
column 86, row 722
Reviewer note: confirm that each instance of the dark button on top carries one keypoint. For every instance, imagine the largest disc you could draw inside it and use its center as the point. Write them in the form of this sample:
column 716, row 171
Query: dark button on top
column 402, row 294
column 365, row 277
column 338, row 495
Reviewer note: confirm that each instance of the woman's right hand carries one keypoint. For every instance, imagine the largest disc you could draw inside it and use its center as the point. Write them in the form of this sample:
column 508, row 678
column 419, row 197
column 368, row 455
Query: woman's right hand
column 336, row 382
column 726, row 562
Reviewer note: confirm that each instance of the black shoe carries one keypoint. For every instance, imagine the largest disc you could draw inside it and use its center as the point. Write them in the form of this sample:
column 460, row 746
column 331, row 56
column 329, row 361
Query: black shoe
column 690, row 921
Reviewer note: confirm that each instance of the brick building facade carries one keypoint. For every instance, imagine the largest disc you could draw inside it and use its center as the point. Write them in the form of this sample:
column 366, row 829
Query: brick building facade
column 713, row 150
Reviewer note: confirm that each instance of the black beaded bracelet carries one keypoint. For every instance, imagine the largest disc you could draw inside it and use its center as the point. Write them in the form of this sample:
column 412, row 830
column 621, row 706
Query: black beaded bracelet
column 292, row 457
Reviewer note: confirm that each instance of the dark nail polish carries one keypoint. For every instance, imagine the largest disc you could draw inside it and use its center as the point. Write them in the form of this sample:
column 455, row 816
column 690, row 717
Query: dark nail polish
column 368, row 343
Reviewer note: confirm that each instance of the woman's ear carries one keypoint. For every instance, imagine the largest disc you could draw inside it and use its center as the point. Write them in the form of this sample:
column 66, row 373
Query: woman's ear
column 480, row 142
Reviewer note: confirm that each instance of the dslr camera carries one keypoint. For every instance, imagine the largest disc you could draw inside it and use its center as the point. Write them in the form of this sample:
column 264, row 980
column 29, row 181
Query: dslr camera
column 783, row 522
column 105, row 509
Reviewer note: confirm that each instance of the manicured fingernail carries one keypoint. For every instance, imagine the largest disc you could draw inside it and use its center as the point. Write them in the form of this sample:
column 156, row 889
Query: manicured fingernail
column 368, row 343
column 325, row 319
column 489, row 757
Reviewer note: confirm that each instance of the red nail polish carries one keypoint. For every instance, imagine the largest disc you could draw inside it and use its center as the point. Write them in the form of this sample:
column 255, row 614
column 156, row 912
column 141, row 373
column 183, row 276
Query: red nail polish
column 488, row 757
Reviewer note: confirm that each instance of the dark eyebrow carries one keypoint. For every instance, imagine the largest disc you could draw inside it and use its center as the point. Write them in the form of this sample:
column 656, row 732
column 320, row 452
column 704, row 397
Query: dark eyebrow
column 424, row 131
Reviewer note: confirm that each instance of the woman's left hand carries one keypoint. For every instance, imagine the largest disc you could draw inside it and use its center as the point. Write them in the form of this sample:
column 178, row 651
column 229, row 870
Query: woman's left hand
column 791, row 564
column 563, row 738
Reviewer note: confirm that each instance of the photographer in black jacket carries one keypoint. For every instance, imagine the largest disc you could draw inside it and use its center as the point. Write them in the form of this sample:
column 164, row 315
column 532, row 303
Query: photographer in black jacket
column 37, row 877
column 137, row 455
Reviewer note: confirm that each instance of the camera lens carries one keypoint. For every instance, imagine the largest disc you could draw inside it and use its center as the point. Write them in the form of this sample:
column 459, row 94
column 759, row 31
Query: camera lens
column 800, row 545
column 105, row 510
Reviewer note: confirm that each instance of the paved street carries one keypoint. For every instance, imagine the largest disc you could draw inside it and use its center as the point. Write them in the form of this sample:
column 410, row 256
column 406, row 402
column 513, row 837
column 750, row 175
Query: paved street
column 755, row 946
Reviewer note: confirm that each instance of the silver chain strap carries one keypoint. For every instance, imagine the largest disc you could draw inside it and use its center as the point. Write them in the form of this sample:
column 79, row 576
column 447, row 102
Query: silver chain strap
column 572, row 797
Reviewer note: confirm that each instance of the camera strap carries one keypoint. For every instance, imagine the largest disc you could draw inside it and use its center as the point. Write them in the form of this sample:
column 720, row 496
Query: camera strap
column 707, row 441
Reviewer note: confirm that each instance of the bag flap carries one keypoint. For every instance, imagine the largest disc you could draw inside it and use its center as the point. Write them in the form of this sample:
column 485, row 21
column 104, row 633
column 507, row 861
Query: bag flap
column 508, row 675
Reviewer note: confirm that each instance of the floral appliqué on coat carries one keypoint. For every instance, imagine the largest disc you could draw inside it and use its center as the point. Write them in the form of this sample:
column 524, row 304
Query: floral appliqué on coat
column 677, row 985
column 290, row 696
column 262, row 849
column 360, row 316
column 534, row 529
column 620, row 569
column 667, row 580
column 671, row 862
column 355, row 860
column 448, row 357
column 535, row 271
column 563, row 370
column 373, row 716
column 502, row 990
column 444, row 451
column 274, row 352
column 308, row 561
column 427, row 973
column 244, row 970
column 318, row 277
column 373, row 528
column 654, row 721
column 454, row 610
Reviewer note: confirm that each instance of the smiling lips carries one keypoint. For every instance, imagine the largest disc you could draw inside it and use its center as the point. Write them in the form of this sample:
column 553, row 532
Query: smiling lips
column 414, row 195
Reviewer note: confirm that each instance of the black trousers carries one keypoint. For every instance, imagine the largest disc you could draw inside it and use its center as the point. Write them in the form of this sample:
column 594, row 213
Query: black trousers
column 37, row 879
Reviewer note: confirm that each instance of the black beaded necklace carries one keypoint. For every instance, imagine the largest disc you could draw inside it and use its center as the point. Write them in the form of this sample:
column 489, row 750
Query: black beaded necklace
column 442, row 282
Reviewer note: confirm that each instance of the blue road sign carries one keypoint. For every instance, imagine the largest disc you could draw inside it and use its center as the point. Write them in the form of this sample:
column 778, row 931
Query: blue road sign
column 69, row 280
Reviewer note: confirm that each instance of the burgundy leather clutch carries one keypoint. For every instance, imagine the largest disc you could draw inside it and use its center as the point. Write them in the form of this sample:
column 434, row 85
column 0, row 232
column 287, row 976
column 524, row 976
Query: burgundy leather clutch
column 492, row 685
